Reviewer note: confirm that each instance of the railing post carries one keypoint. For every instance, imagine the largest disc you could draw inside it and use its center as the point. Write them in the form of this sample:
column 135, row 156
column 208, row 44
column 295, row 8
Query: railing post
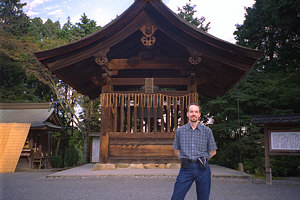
column 128, row 114
column 122, row 113
column 155, row 106
column 135, row 114
column 142, row 113
column 175, row 113
column 168, row 113
column 162, row 113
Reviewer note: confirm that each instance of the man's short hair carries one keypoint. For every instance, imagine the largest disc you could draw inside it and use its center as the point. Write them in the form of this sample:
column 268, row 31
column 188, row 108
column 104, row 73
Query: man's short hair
column 193, row 104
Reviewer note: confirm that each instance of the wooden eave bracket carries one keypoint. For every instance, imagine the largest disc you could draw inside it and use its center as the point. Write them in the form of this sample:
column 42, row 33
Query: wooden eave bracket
column 195, row 56
column 100, row 57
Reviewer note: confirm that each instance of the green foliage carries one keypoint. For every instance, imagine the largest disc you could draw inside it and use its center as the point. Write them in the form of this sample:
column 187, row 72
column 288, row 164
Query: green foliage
column 56, row 161
column 16, row 83
column 187, row 13
column 85, row 27
column 273, row 27
column 71, row 156
column 12, row 18
column 67, row 31
column 271, row 87
column 285, row 166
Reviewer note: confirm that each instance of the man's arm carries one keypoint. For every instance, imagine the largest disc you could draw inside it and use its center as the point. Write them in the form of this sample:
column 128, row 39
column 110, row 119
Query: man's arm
column 212, row 153
column 177, row 152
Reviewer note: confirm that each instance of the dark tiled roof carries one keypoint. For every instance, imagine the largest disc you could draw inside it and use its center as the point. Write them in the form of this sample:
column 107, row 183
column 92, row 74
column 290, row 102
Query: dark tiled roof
column 279, row 119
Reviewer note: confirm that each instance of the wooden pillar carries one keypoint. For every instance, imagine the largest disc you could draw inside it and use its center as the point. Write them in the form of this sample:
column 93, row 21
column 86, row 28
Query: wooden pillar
column 267, row 157
column 104, row 132
column 105, row 123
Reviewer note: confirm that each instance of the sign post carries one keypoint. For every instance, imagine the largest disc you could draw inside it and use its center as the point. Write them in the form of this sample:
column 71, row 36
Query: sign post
column 281, row 136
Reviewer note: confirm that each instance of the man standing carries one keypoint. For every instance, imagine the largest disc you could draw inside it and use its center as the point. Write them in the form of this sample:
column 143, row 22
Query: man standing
column 194, row 144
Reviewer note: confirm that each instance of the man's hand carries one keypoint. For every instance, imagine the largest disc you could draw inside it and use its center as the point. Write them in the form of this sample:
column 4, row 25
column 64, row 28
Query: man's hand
column 177, row 152
column 212, row 153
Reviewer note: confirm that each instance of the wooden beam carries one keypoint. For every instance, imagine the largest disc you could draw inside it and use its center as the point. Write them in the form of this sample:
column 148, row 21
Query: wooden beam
column 133, row 151
column 141, row 135
column 173, row 64
column 170, row 93
column 156, row 81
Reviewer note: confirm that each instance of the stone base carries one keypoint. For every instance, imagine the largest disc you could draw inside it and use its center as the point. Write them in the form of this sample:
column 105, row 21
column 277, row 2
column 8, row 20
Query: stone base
column 240, row 167
column 107, row 166
column 122, row 165
column 150, row 166
column 136, row 166
column 154, row 166
column 173, row 166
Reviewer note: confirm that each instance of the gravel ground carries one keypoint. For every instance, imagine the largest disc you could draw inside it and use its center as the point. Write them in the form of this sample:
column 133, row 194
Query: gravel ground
column 34, row 186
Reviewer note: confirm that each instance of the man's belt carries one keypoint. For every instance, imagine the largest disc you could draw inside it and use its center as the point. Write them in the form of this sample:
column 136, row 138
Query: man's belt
column 201, row 160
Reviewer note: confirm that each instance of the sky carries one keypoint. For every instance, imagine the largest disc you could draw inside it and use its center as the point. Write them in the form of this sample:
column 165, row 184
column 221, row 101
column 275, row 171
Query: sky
column 223, row 14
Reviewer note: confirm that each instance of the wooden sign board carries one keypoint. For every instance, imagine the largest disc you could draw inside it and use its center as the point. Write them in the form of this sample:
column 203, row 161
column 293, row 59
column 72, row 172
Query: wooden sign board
column 148, row 85
column 284, row 142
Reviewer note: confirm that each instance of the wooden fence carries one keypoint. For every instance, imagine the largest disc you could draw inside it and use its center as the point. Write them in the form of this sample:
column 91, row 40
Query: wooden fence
column 146, row 113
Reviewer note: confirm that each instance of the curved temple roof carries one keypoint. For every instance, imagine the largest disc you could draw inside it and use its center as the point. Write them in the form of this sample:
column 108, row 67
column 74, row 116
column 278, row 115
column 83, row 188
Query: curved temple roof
column 39, row 115
column 222, row 63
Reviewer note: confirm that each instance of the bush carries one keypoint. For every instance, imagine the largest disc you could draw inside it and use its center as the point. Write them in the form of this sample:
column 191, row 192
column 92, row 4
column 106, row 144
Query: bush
column 71, row 156
column 284, row 166
column 56, row 161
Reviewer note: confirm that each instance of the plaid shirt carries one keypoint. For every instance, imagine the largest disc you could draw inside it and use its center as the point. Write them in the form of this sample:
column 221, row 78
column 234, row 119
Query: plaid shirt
column 194, row 143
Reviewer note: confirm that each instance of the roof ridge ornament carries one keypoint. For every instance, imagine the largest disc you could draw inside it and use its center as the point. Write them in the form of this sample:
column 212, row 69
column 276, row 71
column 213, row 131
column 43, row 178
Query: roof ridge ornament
column 100, row 57
column 195, row 57
column 148, row 39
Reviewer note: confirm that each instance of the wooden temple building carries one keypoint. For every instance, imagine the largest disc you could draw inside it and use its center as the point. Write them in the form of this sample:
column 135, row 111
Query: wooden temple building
column 145, row 67
column 32, row 147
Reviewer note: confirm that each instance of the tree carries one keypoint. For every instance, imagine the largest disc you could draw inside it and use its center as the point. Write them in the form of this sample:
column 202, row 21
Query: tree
column 23, row 79
column 271, row 87
column 16, row 83
column 86, row 26
column 68, row 31
column 12, row 17
column 273, row 27
column 187, row 13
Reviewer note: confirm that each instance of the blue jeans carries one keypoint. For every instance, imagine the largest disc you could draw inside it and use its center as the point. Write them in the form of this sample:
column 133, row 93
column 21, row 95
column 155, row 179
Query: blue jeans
column 186, row 177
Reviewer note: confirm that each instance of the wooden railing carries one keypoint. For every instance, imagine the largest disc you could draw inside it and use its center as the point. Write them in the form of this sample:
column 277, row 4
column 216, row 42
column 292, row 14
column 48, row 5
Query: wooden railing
column 146, row 113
